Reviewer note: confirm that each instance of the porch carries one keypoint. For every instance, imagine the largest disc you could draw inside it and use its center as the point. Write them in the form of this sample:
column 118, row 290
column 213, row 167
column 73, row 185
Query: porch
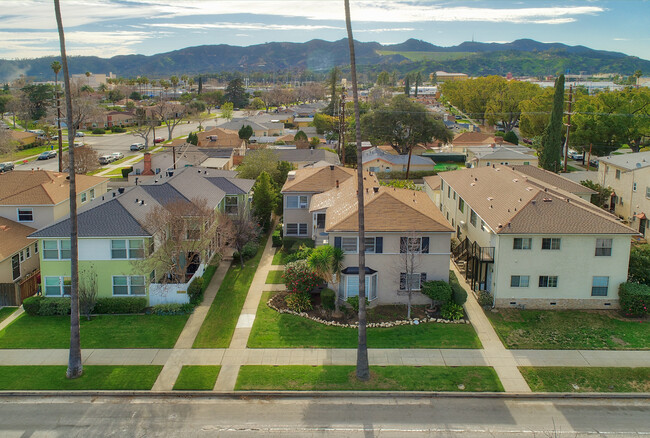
column 473, row 263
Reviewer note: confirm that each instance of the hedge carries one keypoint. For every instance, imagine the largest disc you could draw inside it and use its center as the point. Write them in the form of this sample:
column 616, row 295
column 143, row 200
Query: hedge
column 44, row 306
column 126, row 171
column 438, row 290
column 459, row 294
column 634, row 299
column 118, row 129
column 115, row 305
column 414, row 174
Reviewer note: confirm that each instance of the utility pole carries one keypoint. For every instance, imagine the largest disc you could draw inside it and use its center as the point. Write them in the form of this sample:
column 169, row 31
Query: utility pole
column 589, row 160
column 568, row 130
column 174, row 156
column 342, row 127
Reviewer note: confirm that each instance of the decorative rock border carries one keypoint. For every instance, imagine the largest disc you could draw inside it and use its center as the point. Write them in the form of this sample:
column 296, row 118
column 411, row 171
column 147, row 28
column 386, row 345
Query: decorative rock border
column 370, row 324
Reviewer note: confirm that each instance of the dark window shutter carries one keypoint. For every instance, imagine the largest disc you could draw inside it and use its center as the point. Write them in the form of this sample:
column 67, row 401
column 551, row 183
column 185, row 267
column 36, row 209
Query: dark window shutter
column 402, row 245
column 425, row 245
column 337, row 242
column 402, row 280
column 423, row 278
column 379, row 245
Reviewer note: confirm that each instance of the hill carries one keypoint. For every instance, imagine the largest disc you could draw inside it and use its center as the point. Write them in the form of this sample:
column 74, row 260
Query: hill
column 521, row 57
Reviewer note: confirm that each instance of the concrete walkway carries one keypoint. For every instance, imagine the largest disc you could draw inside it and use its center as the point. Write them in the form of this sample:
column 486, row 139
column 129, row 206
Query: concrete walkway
column 11, row 318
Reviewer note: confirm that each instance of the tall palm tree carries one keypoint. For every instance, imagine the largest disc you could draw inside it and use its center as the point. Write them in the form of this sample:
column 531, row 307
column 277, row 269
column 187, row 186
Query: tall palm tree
column 174, row 82
column 75, row 368
column 88, row 78
column 56, row 68
column 363, row 370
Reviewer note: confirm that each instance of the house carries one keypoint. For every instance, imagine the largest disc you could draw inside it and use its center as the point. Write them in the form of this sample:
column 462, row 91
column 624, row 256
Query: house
column 221, row 138
column 503, row 155
column 377, row 160
column 18, row 261
column 21, row 137
column 178, row 157
column 443, row 76
column 407, row 239
column 303, row 122
column 120, row 118
column 38, row 198
column 118, row 237
column 551, row 179
column 259, row 129
column 304, row 157
column 297, row 192
column 483, row 141
column 532, row 244
column 629, row 176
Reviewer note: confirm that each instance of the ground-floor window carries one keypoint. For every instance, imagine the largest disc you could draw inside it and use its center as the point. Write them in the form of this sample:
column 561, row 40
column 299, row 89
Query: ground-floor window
column 57, row 286
column 519, row 280
column 414, row 280
column 349, row 286
column 548, row 281
column 128, row 285
column 296, row 229
column 599, row 286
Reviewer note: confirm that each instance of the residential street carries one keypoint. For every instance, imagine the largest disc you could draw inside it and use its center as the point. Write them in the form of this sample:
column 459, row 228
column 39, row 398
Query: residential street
column 314, row 416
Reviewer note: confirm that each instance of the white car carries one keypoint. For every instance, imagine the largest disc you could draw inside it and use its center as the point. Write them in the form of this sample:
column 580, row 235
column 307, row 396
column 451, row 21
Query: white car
column 79, row 134
column 106, row 159
column 117, row 156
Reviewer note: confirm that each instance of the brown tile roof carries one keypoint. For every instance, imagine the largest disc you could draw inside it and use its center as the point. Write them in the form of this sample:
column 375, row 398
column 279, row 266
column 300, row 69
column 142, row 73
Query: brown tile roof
column 511, row 203
column 41, row 187
column 473, row 138
column 13, row 237
column 386, row 209
column 226, row 138
column 433, row 181
column 318, row 179
column 553, row 179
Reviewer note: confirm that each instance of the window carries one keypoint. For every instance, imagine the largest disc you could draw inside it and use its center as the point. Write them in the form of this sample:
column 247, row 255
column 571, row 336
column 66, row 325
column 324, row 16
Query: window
column 647, row 192
column 448, row 192
column 618, row 174
column 603, row 247
column 370, row 245
column 461, row 205
column 92, row 194
column 548, row 281
column 232, row 204
column 296, row 201
column 56, row 249
column 551, row 243
column 454, row 196
column 136, row 249
column 121, row 248
column 519, row 281
column 413, row 280
column 28, row 253
column 413, row 245
column 36, row 248
column 634, row 187
column 25, row 215
column 352, row 286
column 473, row 218
column 118, row 249
column 349, row 244
column 483, row 227
column 22, row 256
column 64, row 246
column 522, row 243
column 84, row 197
column 57, row 286
column 599, row 286
column 296, row 229
column 128, row 285
column 15, row 267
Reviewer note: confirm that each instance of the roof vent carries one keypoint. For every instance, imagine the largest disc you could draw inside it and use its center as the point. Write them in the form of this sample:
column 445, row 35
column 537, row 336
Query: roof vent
column 137, row 200
column 475, row 179
column 499, row 226
column 490, row 198
column 142, row 202
column 546, row 189
column 121, row 190
column 515, row 180
column 113, row 194
column 472, row 184
column 376, row 189
column 332, row 167
column 530, row 189
column 533, row 202
column 547, row 199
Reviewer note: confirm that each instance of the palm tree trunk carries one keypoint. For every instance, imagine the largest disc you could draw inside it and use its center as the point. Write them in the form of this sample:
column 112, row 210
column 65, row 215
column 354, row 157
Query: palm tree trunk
column 58, row 121
column 363, row 370
column 75, row 368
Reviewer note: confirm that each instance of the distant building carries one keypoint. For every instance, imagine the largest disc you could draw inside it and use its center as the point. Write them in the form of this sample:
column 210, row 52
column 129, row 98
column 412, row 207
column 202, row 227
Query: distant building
column 443, row 76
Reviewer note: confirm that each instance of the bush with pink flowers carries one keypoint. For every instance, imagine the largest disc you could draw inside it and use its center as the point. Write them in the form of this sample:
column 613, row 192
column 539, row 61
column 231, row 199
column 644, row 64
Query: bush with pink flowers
column 300, row 278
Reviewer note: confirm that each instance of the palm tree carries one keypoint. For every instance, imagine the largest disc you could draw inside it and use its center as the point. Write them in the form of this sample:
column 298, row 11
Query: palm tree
column 75, row 367
column 363, row 370
column 174, row 82
column 88, row 78
column 327, row 262
column 56, row 68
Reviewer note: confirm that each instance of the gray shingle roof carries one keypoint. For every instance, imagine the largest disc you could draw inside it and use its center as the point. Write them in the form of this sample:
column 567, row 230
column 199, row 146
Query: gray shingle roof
column 402, row 160
column 227, row 186
column 628, row 161
column 164, row 193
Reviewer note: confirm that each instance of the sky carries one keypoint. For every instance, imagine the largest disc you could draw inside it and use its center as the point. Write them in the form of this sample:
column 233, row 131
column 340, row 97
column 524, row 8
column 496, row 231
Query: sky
column 108, row 28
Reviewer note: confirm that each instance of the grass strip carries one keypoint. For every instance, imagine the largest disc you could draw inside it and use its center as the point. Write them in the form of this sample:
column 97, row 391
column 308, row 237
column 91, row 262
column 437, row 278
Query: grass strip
column 388, row 378
column 275, row 330
column 5, row 312
column 570, row 330
column 103, row 331
column 95, row 377
column 587, row 379
column 278, row 257
column 197, row 377
column 275, row 277
column 220, row 322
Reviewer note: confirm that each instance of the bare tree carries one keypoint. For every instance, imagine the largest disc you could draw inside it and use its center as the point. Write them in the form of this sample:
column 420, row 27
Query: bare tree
column 7, row 144
column 410, row 261
column 86, row 160
column 238, row 230
column 171, row 114
column 18, row 106
column 87, row 291
column 85, row 109
column 144, row 124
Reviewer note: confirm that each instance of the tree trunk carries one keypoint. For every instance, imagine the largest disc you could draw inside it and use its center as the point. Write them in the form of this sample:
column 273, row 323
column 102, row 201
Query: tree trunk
column 363, row 370
column 75, row 368
column 408, row 311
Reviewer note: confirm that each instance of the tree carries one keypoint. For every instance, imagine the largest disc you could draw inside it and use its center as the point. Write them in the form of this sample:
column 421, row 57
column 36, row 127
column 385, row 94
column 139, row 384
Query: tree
column 246, row 132
column 603, row 195
column 75, row 367
column 264, row 199
column 409, row 267
column 174, row 81
column 404, row 124
column 535, row 113
column 258, row 161
column 212, row 99
column 86, row 160
column 145, row 122
column 39, row 97
column 511, row 137
column 87, row 291
column 551, row 146
column 324, row 123
column 504, row 103
column 238, row 230
column 7, row 145
column 363, row 369
column 639, row 269
column 236, row 94
column 300, row 136
column 407, row 85
column 227, row 111
column 257, row 104
column 135, row 96
column 383, row 79
column 171, row 114
column 193, row 138
column 314, row 141
column 418, row 82
column 332, row 81
column 115, row 95
column 327, row 262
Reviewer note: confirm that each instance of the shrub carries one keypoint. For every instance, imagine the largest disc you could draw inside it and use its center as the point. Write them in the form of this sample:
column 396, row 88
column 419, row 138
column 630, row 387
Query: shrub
column 54, row 306
column 354, row 302
column 302, row 253
column 99, row 131
column 126, row 171
column 485, row 299
column 452, row 311
column 195, row 291
column 459, row 294
column 32, row 305
column 437, row 290
column 172, row 309
column 118, row 305
column 300, row 278
column 299, row 302
column 328, row 299
column 634, row 299
column 118, row 129
column 392, row 175
column 639, row 269
column 276, row 238
column 248, row 251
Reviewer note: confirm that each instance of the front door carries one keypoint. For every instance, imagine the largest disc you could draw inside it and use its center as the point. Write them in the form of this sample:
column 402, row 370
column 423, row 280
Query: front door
column 15, row 267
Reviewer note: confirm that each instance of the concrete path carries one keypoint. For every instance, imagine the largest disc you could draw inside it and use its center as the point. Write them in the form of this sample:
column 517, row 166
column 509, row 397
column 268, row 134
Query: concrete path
column 11, row 318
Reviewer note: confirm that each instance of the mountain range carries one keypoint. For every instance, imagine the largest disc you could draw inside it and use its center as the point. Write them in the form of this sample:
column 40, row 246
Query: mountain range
column 520, row 57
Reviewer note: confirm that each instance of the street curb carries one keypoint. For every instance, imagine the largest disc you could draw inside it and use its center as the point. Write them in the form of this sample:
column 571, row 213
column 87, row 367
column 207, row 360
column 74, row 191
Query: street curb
column 243, row 395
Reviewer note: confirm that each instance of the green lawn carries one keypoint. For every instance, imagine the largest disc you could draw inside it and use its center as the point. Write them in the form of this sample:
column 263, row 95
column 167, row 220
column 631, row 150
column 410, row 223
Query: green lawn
column 569, row 330
column 275, row 277
column 5, row 312
column 104, row 331
column 274, row 330
column 197, row 377
column 388, row 378
column 96, row 377
column 219, row 324
column 122, row 160
column 278, row 257
column 563, row 379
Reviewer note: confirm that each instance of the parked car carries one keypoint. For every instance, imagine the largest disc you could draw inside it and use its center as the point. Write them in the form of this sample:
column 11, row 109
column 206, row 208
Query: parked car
column 79, row 134
column 137, row 146
column 79, row 144
column 47, row 155
column 575, row 155
column 106, row 159
column 594, row 162
column 117, row 156
column 158, row 140
column 6, row 167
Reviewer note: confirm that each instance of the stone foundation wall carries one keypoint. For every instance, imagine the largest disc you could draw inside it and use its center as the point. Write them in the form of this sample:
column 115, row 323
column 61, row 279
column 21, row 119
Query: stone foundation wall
column 536, row 303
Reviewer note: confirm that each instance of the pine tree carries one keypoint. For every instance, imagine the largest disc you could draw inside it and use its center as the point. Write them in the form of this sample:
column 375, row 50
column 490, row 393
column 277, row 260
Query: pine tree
column 551, row 145
column 264, row 199
column 407, row 85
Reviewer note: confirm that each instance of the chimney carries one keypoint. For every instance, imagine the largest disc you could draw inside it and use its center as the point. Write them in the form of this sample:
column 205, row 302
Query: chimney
column 147, row 164
column 291, row 175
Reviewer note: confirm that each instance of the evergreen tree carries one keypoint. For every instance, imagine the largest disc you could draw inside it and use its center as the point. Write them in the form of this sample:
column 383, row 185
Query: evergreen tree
column 193, row 138
column 236, row 94
column 407, row 85
column 511, row 137
column 264, row 199
column 333, row 79
column 551, row 146
column 246, row 132
column 200, row 85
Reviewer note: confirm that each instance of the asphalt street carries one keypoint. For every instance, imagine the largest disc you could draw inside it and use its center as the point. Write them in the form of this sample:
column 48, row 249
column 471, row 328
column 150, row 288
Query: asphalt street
column 370, row 416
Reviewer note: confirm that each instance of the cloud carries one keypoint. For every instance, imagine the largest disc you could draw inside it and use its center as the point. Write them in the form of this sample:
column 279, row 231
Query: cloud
column 388, row 29
column 242, row 26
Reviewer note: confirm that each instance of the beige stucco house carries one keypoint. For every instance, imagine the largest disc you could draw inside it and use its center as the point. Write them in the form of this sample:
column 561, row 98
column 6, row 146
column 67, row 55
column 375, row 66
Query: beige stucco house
column 532, row 244
column 377, row 160
column 503, row 155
